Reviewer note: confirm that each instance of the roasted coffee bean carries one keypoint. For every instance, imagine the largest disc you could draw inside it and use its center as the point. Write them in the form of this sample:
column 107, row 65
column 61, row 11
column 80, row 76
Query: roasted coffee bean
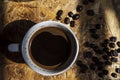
column 90, row 13
column 98, row 26
column 85, row 2
column 88, row 54
column 104, row 45
column 66, row 20
column 113, row 39
column 70, row 14
column 106, row 41
column 79, row 63
column 59, row 13
column 83, row 68
column 106, row 50
column 114, row 59
column 114, row 53
column 105, row 72
column 112, row 45
column 93, row 66
column 79, row 8
column 118, row 50
column 118, row 43
column 92, row 30
column 95, row 36
column 72, row 23
column 100, row 65
column 76, row 16
column 93, row 46
column 108, row 63
column 95, row 59
column 105, row 57
column 114, row 75
column 101, row 75
column 109, row 54
column 87, row 44
column 117, row 70
column 58, row 17
column 92, row 1
column 99, row 51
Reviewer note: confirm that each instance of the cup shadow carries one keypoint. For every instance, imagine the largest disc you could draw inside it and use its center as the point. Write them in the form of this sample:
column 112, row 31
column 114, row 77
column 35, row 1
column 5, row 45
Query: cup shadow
column 14, row 33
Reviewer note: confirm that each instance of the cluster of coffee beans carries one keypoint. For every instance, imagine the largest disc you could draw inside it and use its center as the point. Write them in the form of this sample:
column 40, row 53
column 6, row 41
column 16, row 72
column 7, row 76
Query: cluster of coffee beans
column 103, row 53
column 71, row 17
column 112, row 49
column 109, row 53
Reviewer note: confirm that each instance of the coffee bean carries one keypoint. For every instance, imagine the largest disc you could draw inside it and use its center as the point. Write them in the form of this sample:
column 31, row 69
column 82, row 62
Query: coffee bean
column 106, row 41
column 76, row 16
column 114, row 75
column 117, row 70
column 79, row 63
column 104, row 45
column 58, row 17
column 108, row 63
column 109, row 54
column 98, row 26
column 114, row 59
column 90, row 13
column 100, row 65
column 79, row 8
column 92, row 30
column 93, row 66
column 106, row 50
column 70, row 14
column 101, row 75
column 93, row 46
column 72, row 23
column 88, row 54
column 95, row 59
column 118, row 43
column 59, row 13
column 114, row 53
column 118, row 50
column 105, row 57
column 112, row 45
column 83, row 68
column 98, row 51
column 113, row 39
column 95, row 36
column 92, row 1
column 87, row 44
column 85, row 2
column 66, row 20
column 105, row 72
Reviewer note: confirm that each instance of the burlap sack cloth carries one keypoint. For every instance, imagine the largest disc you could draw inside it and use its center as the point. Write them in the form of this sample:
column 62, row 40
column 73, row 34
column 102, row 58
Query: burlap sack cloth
column 17, row 16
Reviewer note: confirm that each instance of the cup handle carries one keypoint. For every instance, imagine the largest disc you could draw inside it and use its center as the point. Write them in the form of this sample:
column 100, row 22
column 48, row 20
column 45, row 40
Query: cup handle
column 14, row 47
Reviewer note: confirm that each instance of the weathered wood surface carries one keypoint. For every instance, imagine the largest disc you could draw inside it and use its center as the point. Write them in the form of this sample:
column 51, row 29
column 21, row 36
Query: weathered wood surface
column 16, row 17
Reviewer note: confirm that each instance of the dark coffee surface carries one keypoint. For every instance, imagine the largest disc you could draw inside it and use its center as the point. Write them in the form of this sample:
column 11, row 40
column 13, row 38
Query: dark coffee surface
column 49, row 49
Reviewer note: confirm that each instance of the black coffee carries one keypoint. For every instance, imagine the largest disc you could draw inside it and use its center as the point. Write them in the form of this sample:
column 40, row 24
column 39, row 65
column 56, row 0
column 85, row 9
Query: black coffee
column 49, row 50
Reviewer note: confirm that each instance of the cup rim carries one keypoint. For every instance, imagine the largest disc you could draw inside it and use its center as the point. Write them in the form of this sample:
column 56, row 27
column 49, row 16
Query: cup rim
column 25, row 46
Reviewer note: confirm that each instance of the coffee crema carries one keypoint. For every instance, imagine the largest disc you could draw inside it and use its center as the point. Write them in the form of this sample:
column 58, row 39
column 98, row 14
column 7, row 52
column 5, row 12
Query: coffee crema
column 50, row 48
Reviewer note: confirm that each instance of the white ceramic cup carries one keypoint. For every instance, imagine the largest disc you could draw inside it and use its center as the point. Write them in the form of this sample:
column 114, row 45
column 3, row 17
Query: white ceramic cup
column 25, row 45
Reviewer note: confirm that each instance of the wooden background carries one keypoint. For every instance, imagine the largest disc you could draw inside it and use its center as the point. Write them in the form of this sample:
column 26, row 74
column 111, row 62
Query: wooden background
column 17, row 16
